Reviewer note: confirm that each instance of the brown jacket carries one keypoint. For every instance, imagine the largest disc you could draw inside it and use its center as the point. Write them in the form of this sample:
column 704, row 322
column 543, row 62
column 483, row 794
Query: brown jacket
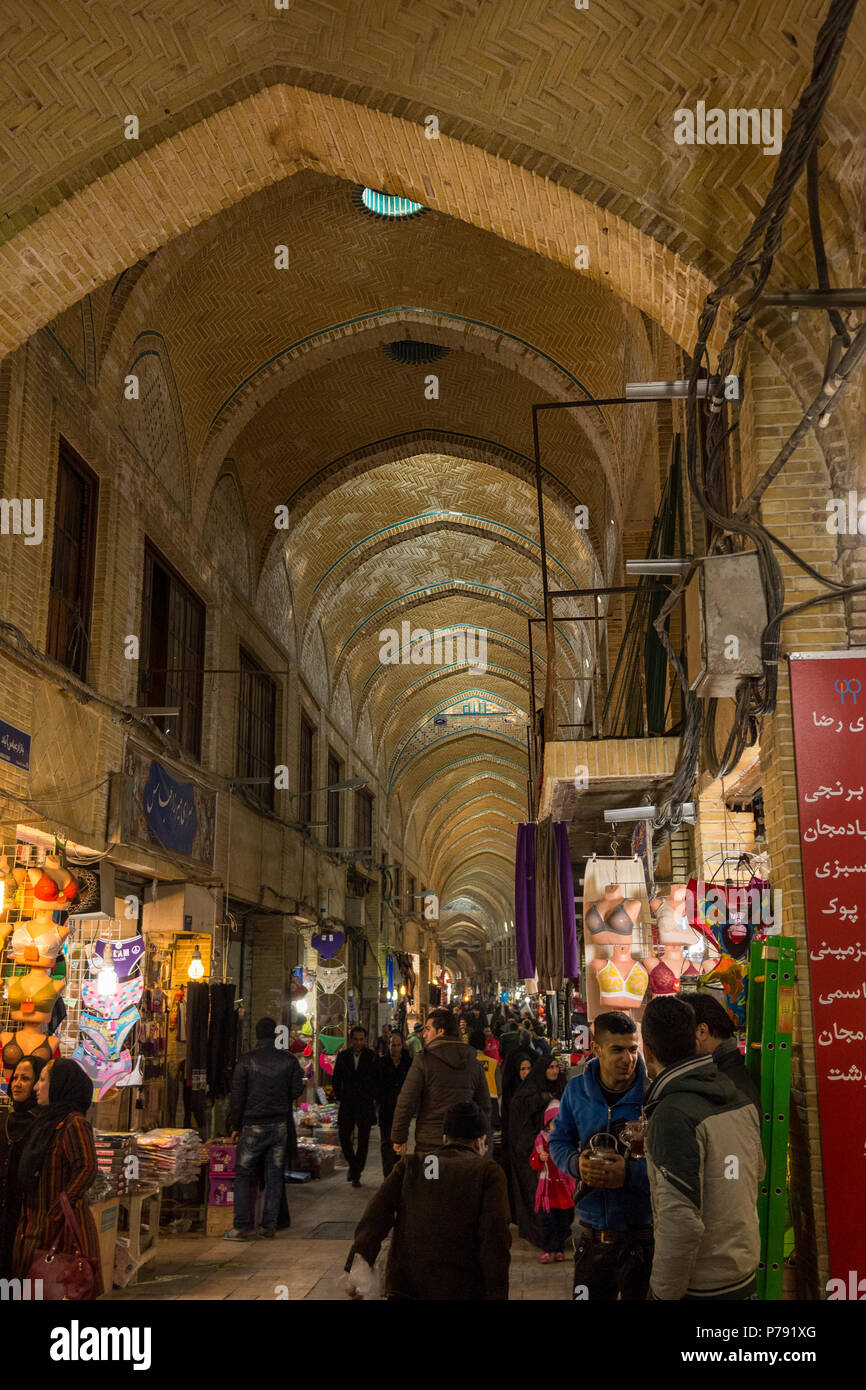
column 445, row 1072
column 449, row 1211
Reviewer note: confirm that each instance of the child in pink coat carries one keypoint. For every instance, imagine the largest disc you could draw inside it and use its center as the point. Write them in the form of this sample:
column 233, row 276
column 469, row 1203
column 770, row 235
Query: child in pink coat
column 554, row 1195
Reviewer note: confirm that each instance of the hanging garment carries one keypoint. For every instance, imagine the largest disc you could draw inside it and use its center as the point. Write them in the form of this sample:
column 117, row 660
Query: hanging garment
column 330, row 979
column 611, row 982
column 570, row 967
column 219, row 1037
column 125, row 955
column 662, row 980
column 198, row 1006
column 548, row 908
column 127, row 994
column 524, row 901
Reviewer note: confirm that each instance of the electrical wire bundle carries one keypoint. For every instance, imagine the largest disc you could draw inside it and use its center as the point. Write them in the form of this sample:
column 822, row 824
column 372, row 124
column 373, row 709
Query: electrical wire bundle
column 756, row 696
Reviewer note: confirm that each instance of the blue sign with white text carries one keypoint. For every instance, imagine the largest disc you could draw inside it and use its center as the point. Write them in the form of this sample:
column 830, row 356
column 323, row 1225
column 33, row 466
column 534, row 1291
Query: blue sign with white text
column 14, row 746
column 169, row 809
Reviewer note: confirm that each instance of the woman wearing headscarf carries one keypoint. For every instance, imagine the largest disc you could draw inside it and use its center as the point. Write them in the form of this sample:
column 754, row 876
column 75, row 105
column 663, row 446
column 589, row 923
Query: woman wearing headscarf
column 58, row 1156
column 513, row 1073
column 15, row 1124
column 544, row 1083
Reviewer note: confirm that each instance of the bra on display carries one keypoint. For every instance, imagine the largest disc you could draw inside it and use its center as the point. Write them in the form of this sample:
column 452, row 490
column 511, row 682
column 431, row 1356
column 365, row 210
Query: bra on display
column 618, row 922
column 13, row 1053
column 42, row 1001
column 663, row 980
column 46, row 946
column 611, row 982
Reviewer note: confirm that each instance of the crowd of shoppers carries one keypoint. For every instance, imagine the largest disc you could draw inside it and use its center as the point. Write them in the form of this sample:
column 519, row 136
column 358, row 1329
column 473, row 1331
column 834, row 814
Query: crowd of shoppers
column 635, row 1152
column 652, row 1154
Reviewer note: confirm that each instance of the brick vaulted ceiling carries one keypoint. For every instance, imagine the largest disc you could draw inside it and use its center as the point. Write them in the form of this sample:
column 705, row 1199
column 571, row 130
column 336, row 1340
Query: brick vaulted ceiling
column 556, row 129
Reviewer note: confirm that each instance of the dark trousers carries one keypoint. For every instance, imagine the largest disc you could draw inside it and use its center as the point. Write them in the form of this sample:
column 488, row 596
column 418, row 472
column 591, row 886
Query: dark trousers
column 351, row 1117
column 620, row 1268
column 555, row 1226
column 260, row 1142
column 389, row 1158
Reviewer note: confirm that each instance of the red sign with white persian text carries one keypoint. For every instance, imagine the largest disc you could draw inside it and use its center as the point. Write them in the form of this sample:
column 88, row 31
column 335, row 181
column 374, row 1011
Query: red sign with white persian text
column 828, row 694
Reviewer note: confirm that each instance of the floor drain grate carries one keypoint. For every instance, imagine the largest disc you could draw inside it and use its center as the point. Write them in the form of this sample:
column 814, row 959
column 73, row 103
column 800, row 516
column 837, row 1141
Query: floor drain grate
column 334, row 1230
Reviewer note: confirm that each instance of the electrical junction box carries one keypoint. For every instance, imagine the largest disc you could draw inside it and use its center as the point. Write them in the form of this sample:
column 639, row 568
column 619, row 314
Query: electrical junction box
column 354, row 912
column 725, row 615
column 180, row 907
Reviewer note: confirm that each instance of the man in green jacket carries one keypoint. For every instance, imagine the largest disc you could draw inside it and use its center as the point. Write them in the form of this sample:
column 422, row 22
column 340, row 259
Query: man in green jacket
column 704, row 1160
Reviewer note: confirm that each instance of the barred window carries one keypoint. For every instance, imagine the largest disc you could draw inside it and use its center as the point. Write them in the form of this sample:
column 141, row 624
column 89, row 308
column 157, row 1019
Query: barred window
column 335, row 774
column 70, row 598
column 172, row 650
column 257, row 707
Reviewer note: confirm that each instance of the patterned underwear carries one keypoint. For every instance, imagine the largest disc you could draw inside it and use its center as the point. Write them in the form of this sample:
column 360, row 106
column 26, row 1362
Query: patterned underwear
column 105, row 1037
column 103, row 1074
column 128, row 992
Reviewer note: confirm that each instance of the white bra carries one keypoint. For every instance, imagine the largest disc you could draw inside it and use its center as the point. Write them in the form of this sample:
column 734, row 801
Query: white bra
column 46, row 946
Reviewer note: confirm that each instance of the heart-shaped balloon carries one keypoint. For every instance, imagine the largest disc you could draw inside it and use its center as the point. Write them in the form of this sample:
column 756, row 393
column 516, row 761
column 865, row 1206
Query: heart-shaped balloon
column 327, row 943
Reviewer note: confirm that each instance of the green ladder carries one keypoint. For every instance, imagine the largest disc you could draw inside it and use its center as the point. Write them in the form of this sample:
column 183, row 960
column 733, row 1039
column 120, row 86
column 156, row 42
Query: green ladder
column 769, row 1026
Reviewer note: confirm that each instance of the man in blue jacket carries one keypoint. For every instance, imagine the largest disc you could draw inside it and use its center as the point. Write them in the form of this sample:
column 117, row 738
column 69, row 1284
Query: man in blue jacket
column 614, row 1247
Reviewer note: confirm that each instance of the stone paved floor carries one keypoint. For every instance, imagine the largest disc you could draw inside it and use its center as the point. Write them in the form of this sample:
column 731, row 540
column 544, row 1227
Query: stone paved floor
column 308, row 1266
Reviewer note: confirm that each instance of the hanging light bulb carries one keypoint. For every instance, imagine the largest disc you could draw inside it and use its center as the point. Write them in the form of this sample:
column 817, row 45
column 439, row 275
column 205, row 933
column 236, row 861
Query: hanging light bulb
column 402, row 989
column 301, row 1005
column 196, row 966
column 106, row 980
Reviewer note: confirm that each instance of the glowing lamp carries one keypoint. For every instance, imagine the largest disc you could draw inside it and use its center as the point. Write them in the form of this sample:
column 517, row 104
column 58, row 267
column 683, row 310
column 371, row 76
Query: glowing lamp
column 106, row 981
column 196, row 966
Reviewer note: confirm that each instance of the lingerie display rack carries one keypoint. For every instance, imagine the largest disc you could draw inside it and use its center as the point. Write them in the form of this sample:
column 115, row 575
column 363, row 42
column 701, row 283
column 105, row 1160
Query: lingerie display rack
column 26, row 857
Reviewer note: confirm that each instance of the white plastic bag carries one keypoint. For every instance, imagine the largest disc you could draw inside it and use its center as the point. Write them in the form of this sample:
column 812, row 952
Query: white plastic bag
column 362, row 1280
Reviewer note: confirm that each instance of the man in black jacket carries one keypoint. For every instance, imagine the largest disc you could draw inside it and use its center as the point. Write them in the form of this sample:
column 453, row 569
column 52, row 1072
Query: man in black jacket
column 264, row 1085
column 356, row 1089
column 393, row 1070
column 716, row 1039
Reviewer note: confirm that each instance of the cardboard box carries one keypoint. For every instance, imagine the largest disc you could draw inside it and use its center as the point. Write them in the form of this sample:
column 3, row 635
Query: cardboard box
column 219, row 1220
column 105, row 1215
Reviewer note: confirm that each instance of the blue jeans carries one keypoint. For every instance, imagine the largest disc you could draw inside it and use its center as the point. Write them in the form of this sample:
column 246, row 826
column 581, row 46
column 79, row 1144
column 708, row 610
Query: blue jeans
column 260, row 1142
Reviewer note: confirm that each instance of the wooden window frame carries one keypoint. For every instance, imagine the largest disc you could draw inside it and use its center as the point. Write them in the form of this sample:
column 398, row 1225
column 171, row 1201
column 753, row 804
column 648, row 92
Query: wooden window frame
column 256, row 742
column 183, row 685
column 70, row 616
column 335, row 774
column 306, row 769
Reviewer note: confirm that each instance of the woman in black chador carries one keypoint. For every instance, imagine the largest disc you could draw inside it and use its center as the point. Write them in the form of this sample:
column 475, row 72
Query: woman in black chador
column 526, row 1119
column 15, row 1123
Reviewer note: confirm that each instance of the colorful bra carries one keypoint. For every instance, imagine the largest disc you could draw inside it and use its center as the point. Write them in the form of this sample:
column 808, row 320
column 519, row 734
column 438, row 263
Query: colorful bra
column 13, row 1053
column 46, row 890
column 618, row 922
column 42, row 1001
column 663, row 980
column 28, row 949
column 611, row 982
column 128, row 992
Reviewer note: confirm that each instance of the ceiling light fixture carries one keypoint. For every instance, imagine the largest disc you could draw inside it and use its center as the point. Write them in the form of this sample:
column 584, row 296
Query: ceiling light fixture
column 662, row 565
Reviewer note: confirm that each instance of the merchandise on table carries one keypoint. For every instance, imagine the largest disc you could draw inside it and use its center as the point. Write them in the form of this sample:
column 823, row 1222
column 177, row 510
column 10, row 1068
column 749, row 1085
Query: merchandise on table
column 116, row 1174
column 168, row 1156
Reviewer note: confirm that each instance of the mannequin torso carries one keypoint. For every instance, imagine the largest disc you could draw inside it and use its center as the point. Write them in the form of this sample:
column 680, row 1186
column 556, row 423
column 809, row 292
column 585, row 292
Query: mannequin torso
column 622, row 980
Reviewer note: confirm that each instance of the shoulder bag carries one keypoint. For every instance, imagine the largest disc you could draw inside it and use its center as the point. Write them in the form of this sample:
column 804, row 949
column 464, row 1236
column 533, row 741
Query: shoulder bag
column 65, row 1276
